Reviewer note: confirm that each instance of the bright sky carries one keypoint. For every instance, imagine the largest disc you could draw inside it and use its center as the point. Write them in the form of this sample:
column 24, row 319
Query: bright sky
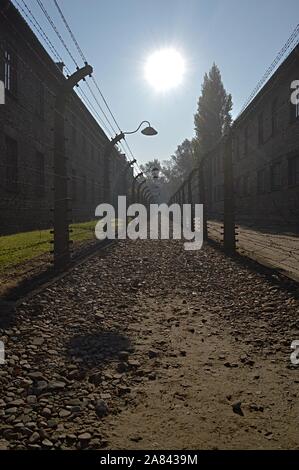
column 117, row 36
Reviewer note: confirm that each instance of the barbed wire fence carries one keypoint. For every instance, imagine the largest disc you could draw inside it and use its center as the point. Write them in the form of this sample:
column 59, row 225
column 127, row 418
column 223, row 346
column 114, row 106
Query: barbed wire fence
column 228, row 223
column 28, row 200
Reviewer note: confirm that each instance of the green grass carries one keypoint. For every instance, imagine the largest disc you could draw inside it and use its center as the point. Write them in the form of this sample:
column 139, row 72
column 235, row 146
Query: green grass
column 21, row 247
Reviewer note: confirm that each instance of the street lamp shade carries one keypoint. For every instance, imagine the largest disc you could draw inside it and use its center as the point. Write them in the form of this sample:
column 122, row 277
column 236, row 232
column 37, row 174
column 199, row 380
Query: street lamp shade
column 149, row 130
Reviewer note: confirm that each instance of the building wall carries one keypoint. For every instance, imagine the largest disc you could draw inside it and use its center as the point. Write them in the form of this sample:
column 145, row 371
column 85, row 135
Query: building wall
column 265, row 192
column 27, row 137
column 265, row 147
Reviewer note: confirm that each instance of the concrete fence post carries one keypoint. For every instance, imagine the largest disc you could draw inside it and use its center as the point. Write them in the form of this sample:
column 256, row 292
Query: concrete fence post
column 229, row 203
column 61, row 209
column 202, row 198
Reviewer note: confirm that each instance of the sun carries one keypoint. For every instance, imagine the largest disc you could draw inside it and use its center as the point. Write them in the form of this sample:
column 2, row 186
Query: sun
column 164, row 69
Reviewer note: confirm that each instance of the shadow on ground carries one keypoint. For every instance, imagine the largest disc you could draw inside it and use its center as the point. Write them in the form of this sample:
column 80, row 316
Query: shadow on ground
column 7, row 314
column 98, row 348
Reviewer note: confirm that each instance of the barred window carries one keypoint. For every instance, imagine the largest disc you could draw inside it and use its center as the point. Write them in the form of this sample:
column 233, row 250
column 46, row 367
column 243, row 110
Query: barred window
column 274, row 117
column 84, row 189
column 262, row 181
column 246, row 132
column 293, row 170
column 40, row 99
column 74, row 185
column 245, row 186
column 10, row 71
column 237, row 148
column 11, row 164
column 40, row 174
column 276, row 176
column 261, row 128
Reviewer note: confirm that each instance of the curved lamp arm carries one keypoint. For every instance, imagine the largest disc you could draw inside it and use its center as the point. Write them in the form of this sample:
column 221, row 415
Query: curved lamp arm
column 134, row 132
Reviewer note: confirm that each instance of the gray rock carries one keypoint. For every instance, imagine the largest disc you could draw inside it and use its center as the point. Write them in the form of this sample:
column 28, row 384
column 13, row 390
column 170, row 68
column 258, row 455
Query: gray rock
column 152, row 353
column 237, row 408
column 64, row 413
column 36, row 375
column 34, row 438
column 101, row 408
column 31, row 399
column 41, row 386
column 4, row 444
column 84, row 437
column 47, row 443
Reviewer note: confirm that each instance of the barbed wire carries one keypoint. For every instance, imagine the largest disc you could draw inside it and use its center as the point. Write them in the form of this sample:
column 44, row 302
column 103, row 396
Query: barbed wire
column 272, row 67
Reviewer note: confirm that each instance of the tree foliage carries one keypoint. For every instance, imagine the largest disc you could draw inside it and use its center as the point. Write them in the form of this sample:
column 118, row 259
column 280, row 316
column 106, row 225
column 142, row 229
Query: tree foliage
column 212, row 121
column 213, row 117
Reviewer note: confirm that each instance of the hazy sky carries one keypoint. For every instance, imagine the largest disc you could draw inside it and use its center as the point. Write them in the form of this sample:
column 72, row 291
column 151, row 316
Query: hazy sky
column 241, row 36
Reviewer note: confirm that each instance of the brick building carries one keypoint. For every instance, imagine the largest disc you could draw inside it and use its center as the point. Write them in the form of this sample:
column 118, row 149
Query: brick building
column 265, row 157
column 32, row 81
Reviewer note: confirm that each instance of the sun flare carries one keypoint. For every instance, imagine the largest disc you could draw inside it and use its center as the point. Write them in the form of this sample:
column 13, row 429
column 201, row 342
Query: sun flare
column 164, row 69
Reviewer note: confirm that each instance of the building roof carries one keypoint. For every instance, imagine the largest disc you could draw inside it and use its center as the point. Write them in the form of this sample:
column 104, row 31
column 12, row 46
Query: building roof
column 292, row 58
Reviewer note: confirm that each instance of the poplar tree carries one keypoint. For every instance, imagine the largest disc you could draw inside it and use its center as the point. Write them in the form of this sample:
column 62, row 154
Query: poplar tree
column 213, row 117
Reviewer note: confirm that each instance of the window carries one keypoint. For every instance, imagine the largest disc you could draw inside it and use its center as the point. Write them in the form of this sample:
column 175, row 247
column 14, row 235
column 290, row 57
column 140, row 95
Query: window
column 40, row 174
column 236, row 186
column 215, row 193
column 237, row 148
column 221, row 163
column 83, row 143
column 74, row 185
column 293, row 170
column 99, row 192
column 274, row 120
column 246, row 141
column 245, row 186
column 74, row 134
column 84, row 188
column 74, row 129
column 262, row 181
column 276, row 176
column 221, row 192
column 40, row 99
column 214, row 163
column 92, row 191
column 261, row 128
column 294, row 111
column 11, row 164
column 10, row 71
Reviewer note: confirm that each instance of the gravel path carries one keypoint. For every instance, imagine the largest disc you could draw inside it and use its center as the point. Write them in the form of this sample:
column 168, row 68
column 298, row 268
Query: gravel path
column 148, row 346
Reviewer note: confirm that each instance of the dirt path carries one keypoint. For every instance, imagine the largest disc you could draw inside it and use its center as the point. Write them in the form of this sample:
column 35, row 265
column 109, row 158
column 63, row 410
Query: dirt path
column 152, row 347
column 205, row 389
